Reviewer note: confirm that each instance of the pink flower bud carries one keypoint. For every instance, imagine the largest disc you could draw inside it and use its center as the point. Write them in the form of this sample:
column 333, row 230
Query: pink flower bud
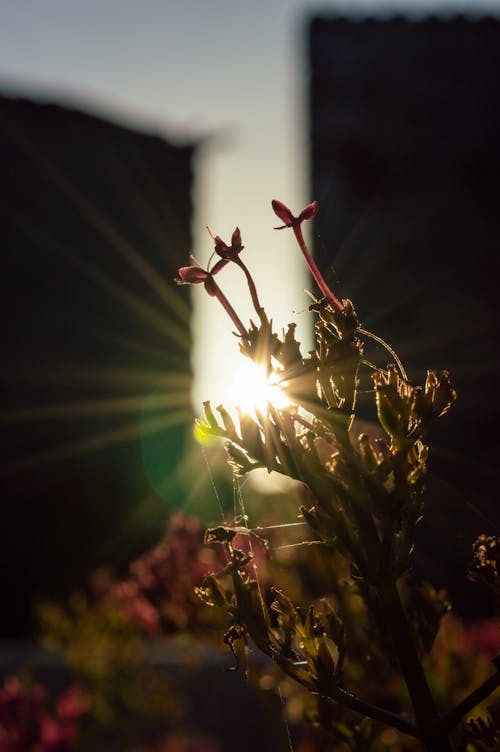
column 283, row 212
column 192, row 275
column 230, row 252
column 286, row 216
column 309, row 212
column 195, row 275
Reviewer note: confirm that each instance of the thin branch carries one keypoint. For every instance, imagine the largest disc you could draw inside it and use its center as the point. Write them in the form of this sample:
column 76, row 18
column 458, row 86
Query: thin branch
column 405, row 725
column 341, row 696
column 452, row 718
column 387, row 347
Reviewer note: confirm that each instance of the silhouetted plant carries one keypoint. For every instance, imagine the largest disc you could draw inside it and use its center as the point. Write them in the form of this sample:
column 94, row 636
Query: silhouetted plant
column 365, row 500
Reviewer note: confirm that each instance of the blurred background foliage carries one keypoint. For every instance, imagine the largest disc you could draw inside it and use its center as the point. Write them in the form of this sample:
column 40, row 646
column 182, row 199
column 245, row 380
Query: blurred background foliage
column 134, row 650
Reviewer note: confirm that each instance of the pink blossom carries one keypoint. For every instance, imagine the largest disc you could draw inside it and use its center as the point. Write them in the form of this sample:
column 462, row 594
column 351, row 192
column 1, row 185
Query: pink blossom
column 230, row 252
column 72, row 704
column 286, row 216
column 195, row 275
column 310, row 211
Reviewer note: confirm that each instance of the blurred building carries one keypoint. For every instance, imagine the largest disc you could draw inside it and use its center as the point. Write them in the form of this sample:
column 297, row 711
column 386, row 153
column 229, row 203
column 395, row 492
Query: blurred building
column 95, row 377
column 405, row 146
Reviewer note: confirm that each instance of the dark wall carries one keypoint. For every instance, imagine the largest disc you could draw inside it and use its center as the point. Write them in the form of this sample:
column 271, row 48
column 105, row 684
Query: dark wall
column 405, row 145
column 95, row 343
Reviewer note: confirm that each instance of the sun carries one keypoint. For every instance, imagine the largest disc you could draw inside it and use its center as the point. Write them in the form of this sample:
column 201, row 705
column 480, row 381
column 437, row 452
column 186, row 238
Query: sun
column 252, row 390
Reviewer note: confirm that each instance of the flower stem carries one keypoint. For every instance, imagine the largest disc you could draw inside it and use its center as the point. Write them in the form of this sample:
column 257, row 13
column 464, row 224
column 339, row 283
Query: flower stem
column 229, row 309
column 314, row 269
column 450, row 719
column 253, row 291
column 426, row 713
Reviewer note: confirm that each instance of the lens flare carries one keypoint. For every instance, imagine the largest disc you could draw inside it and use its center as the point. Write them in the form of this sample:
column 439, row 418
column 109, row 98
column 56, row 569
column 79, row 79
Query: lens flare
column 252, row 389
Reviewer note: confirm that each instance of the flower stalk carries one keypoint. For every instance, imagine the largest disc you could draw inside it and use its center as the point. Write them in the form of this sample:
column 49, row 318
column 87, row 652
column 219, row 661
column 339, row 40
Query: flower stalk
column 196, row 275
column 364, row 502
column 232, row 253
column 286, row 216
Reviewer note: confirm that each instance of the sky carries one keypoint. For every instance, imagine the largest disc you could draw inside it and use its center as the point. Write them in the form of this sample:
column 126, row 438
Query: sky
column 233, row 73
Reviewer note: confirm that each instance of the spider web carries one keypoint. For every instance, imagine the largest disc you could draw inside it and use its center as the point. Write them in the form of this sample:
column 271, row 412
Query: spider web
column 241, row 519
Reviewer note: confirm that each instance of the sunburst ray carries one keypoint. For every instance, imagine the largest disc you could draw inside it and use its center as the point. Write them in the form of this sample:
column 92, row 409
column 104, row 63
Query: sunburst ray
column 98, row 441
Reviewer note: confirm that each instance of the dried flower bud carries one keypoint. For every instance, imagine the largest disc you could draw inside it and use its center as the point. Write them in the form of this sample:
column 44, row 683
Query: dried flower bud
column 211, row 592
column 486, row 560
